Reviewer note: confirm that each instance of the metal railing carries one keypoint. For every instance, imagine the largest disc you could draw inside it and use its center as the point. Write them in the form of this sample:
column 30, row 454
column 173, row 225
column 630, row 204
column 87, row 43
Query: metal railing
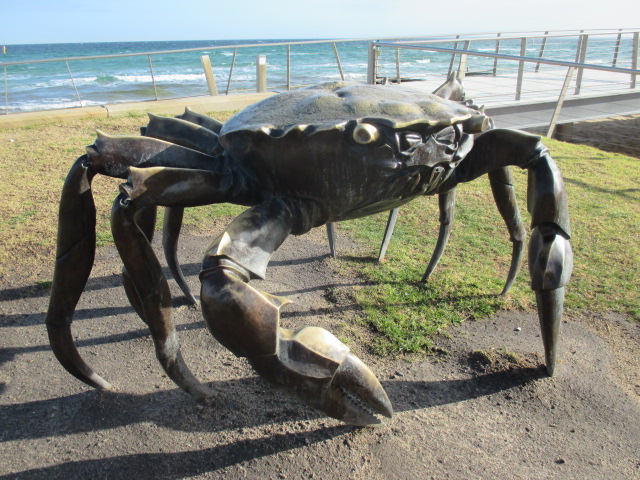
column 507, row 54
column 507, row 84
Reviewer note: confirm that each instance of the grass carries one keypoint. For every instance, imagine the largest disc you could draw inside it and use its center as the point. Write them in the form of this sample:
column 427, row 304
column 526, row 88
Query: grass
column 604, row 206
column 604, row 202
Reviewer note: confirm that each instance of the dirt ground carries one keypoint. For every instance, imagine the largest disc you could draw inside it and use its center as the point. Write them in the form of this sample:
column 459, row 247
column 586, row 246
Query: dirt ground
column 480, row 408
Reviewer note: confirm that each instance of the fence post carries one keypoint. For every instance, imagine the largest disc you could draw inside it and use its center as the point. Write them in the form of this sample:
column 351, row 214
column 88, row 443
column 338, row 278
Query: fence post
column 453, row 56
column 261, row 73
column 495, row 60
column 73, row 82
column 208, row 74
column 542, row 45
column 335, row 51
column 563, row 94
column 6, row 92
column 582, row 55
column 462, row 66
column 634, row 59
column 233, row 62
column 523, row 51
column 398, row 79
column 153, row 78
column 617, row 49
column 372, row 64
column 288, row 67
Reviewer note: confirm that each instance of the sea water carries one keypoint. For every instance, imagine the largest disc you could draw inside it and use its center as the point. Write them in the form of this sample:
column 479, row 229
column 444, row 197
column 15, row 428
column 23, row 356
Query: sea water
column 78, row 82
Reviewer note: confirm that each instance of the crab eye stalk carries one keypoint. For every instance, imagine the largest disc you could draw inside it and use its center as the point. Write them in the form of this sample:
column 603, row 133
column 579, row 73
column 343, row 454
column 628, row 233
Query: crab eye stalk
column 365, row 133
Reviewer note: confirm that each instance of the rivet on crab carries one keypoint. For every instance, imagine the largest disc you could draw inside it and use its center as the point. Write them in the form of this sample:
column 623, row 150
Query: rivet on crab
column 300, row 159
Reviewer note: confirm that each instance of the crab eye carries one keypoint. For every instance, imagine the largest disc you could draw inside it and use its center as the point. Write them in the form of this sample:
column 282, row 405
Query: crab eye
column 409, row 140
column 365, row 133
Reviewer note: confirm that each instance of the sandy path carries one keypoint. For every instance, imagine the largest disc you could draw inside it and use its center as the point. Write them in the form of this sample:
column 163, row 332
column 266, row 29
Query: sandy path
column 457, row 417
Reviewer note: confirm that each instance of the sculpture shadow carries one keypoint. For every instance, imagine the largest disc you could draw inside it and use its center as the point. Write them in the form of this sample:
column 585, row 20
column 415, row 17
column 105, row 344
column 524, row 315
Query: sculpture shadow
column 95, row 411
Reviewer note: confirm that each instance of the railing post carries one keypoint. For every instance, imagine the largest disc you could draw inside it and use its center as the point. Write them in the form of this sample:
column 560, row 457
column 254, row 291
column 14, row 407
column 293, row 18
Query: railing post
column 462, row 66
column 495, row 60
column 634, row 58
column 153, row 78
column 523, row 51
column 233, row 62
column 617, row 49
column 453, row 56
column 582, row 55
column 563, row 94
column 398, row 79
column 6, row 93
column 73, row 82
column 288, row 67
column 335, row 51
column 261, row 73
column 542, row 45
column 372, row 64
column 208, row 74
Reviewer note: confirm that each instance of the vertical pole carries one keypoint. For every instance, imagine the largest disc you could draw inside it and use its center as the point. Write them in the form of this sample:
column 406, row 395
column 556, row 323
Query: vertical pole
column 6, row 92
column 73, row 82
column 453, row 56
column 289, row 67
column 617, row 49
column 335, row 51
column 523, row 51
column 372, row 64
column 495, row 60
column 261, row 73
column 582, row 55
column 398, row 79
column 233, row 62
column 634, row 59
column 541, row 54
column 153, row 78
column 563, row 94
column 208, row 74
column 462, row 66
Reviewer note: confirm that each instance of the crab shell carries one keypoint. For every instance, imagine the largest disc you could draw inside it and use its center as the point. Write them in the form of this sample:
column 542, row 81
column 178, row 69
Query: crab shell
column 341, row 144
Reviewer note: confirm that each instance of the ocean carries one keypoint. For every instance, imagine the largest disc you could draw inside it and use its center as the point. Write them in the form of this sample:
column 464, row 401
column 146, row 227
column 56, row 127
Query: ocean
column 60, row 84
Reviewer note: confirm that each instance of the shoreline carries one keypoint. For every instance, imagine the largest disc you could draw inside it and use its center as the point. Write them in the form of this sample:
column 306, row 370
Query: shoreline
column 201, row 104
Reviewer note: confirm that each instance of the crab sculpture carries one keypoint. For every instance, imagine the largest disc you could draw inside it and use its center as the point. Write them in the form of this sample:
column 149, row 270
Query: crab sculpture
column 300, row 159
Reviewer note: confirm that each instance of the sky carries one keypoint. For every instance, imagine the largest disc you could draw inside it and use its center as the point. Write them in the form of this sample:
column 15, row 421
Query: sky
column 62, row 21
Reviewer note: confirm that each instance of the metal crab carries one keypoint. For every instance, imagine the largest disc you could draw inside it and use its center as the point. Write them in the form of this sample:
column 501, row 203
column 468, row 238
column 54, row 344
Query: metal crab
column 299, row 159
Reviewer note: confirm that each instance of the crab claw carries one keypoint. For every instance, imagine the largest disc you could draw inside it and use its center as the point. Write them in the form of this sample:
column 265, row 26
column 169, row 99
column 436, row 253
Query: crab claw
column 318, row 369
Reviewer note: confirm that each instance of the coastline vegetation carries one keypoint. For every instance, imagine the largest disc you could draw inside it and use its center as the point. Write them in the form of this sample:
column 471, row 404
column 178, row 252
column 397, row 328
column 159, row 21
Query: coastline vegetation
column 604, row 202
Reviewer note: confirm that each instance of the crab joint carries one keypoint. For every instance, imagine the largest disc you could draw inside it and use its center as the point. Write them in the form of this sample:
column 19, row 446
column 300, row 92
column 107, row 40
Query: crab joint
column 171, row 187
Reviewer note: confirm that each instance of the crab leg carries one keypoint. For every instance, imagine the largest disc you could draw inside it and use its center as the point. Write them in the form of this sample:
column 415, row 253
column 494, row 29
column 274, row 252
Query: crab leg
column 74, row 260
column 77, row 237
column 151, row 292
column 331, row 236
column 446, row 202
column 310, row 364
column 388, row 233
column 193, row 131
column 550, row 255
column 504, row 195
column 170, row 234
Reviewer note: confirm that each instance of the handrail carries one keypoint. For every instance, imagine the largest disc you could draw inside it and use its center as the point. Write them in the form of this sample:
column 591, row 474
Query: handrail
column 547, row 61
column 579, row 38
column 413, row 39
